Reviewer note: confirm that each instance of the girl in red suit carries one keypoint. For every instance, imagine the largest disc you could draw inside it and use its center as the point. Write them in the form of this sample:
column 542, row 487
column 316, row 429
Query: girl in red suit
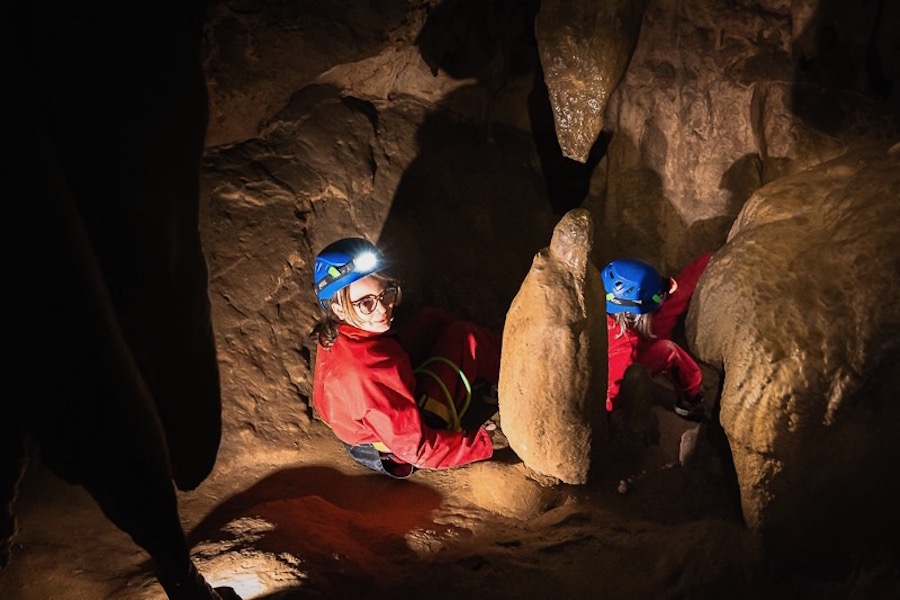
column 396, row 399
column 643, row 308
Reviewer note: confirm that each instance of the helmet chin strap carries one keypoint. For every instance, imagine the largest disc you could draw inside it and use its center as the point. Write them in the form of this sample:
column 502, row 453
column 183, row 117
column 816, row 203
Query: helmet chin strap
column 656, row 298
column 623, row 302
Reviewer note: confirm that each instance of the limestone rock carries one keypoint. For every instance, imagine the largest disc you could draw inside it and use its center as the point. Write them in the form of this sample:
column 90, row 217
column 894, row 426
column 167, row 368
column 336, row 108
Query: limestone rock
column 257, row 55
column 720, row 98
column 799, row 310
column 329, row 166
column 585, row 48
column 553, row 368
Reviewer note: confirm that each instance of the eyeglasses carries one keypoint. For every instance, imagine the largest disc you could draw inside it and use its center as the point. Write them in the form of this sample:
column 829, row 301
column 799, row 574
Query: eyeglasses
column 367, row 304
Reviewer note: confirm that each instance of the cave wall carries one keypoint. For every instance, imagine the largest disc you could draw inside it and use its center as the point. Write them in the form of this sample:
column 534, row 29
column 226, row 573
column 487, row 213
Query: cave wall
column 417, row 144
column 793, row 311
column 720, row 98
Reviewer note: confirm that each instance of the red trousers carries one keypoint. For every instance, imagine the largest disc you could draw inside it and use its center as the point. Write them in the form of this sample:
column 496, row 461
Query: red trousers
column 665, row 357
column 434, row 334
column 659, row 355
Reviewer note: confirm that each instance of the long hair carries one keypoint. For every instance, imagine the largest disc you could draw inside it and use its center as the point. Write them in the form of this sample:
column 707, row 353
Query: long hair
column 639, row 323
column 325, row 331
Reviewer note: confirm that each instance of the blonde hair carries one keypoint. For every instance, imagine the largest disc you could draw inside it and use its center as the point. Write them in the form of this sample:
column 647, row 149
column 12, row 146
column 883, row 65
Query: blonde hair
column 640, row 323
column 325, row 331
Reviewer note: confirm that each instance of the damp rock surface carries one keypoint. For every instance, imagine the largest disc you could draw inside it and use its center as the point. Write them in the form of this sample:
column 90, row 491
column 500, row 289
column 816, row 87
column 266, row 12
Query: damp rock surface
column 554, row 357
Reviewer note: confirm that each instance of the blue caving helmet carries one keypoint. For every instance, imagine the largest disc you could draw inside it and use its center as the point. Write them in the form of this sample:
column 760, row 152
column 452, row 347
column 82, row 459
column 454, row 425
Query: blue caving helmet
column 633, row 286
column 343, row 262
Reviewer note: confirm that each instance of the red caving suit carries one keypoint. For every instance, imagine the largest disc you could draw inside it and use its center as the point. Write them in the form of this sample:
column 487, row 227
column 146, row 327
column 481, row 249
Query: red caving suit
column 364, row 388
column 660, row 355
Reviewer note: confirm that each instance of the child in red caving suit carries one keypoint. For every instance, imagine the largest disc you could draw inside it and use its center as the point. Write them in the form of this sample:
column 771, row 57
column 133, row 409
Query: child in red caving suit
column 391, row 417
column 643, row 308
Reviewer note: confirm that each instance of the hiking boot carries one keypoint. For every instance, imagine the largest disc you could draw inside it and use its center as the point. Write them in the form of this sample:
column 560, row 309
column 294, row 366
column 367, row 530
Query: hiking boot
column 690, row 407
column 486, row 392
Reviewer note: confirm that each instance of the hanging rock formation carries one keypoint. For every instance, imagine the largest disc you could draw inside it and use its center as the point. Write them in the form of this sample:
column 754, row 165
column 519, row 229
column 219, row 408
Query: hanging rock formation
column 553, row 367
column 584, row 49
column 799, row 309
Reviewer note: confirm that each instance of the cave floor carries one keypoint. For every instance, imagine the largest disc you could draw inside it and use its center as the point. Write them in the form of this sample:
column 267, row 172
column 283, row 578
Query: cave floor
column 306, row 522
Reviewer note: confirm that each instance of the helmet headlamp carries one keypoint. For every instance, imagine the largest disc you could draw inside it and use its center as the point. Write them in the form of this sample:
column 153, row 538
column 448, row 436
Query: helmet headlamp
column 343, row 262
column 365, row 262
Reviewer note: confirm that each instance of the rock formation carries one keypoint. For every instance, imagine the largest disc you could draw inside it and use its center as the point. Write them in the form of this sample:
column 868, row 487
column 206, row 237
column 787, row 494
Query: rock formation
column 585, row 48
column 553, row 367
column 798, row 310
column 335, row 117
column 718, row 100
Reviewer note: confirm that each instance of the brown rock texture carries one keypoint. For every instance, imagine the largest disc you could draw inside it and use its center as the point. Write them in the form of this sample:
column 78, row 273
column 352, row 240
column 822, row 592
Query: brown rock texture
column 720, row 98
column 585, row 48
column 433, row 132
column 553, row 367
column 259, row 53
column 327, row 167
column 798, row 310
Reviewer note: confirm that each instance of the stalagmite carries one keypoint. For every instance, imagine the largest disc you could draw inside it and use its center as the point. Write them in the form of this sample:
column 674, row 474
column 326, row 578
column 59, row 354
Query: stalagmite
column 553, row 368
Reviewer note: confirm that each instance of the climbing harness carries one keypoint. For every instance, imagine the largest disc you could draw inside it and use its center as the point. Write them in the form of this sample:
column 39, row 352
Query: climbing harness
column 449, row 412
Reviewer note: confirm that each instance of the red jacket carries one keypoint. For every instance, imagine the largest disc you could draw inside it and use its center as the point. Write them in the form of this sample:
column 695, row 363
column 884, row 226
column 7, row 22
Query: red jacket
column 623, row 349
column 363, row 389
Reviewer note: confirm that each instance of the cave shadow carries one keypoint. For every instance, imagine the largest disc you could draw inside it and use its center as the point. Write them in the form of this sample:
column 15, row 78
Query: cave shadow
column 741, row 179
column 353, row 493
column 471, row 209
column 717, row 452
column 490, row 42
column 493, row 43
column 629, row 211
column 664, row 483
column 634, row 218
column 466, row 219
column 845, row 67
column 568, row 181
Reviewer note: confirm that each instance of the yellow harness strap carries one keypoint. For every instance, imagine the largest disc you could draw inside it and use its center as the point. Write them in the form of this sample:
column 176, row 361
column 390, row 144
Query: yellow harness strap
column 440, row 409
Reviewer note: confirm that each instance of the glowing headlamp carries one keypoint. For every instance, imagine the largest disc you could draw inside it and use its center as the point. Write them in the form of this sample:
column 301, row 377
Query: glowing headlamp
column 365, row 262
